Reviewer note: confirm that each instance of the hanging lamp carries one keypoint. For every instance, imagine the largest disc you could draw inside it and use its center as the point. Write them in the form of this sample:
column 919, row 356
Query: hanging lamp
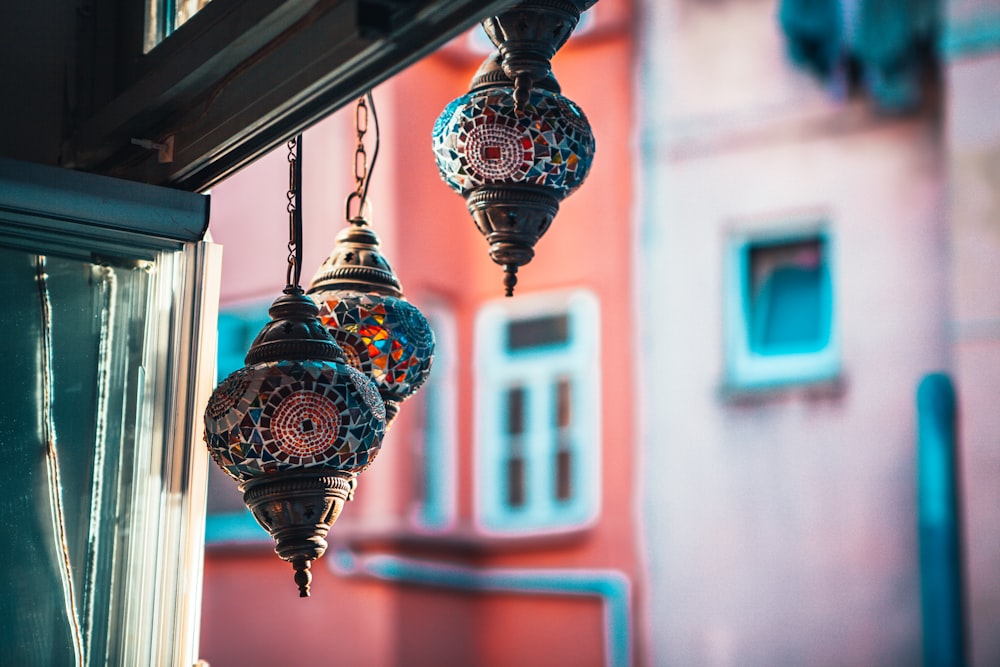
column 360, row 298
column 297, row 422
column 514, row 146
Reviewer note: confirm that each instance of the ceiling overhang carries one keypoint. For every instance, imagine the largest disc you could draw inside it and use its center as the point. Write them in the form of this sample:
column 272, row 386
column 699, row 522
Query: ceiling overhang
column 243, row 76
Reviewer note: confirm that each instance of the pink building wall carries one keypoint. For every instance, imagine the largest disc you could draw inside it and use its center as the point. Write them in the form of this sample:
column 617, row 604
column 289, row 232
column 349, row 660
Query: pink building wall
column 441, row 258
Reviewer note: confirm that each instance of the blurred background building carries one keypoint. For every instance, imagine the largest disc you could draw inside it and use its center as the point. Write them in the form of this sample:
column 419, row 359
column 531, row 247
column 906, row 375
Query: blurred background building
column 692, row 437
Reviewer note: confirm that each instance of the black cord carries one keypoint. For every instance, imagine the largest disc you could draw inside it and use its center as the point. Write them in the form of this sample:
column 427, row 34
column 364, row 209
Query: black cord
column 371, row 166
column 293, row 275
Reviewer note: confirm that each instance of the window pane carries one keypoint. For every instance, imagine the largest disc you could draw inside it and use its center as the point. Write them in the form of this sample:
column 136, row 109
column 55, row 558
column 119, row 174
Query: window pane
column 538, row 332
column 73, row 379
column 564, row 452
column 564, row 474
column 515, row 411
column 789, row 307
column 108, row 289
column 516, row 397
column 184, row 9
column 237, row 330
column 515, row 482
column 564, row 402
column 538, row 422
column 165, row 16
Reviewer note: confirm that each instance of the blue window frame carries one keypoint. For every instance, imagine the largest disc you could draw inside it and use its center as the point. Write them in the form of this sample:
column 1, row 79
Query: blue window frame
column 780, row 311
column 238, row 326
column 538, row 413
column 228, row 520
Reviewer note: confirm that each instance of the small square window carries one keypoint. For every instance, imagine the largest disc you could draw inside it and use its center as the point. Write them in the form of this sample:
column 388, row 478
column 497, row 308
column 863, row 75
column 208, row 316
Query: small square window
column 780, row 313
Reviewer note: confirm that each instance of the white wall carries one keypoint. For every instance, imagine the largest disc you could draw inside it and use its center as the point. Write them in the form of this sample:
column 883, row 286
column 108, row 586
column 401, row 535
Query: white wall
column 973, row 135
column 780, row 527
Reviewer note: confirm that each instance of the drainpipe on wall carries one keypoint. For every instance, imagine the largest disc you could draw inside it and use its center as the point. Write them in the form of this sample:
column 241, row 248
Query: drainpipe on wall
column 610, row 586
column 938, row 522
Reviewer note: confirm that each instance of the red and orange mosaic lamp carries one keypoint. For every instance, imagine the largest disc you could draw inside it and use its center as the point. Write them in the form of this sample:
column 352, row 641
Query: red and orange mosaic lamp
column 298, row 422
column 360, row 298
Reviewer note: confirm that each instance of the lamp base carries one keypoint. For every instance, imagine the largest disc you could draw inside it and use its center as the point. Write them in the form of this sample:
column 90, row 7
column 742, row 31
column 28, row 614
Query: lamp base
column 297, row 508
column 512, row 218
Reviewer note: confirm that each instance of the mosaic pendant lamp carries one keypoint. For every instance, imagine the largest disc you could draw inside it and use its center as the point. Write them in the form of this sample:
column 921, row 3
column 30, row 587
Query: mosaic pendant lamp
column 362, row 304
column 514, row 146
column 292, row 427
column 297, row 423
column 359, row 296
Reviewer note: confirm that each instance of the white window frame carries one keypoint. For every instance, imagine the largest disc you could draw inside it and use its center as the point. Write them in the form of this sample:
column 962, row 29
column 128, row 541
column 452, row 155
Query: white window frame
column 537, row 369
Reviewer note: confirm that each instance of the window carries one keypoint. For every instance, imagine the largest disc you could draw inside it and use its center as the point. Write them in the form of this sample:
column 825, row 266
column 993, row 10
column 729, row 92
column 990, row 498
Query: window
column 229, row 520
column 434, row 448
column 780, row 325
column 237, row 329
column 538, row 413
column 165, row 16
column 107, row 291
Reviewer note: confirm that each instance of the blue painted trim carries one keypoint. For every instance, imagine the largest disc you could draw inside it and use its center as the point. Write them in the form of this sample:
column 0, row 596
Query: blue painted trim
column 237, row 329
column 747, row 368
column 64, row 199
column 611, row 586
column 971, row 36
column 234, row 527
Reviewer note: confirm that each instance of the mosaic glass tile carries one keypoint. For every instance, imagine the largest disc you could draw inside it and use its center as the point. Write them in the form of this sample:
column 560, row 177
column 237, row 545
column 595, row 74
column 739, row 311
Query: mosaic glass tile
column 288, row 414
column 386, row 338
column 481, row 139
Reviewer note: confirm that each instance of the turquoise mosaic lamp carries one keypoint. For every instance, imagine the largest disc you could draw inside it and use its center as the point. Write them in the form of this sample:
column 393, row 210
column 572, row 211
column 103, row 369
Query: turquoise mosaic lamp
column 514, row 146
column 296, row 424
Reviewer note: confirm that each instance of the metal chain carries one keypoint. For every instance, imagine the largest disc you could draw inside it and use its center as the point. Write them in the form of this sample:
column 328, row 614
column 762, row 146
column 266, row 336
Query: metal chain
column 364, row 109
column 360, row 155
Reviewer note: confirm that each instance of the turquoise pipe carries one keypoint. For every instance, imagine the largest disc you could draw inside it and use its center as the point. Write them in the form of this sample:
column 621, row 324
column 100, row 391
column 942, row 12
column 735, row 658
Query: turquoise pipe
column 610, row 586
column 938, row 521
